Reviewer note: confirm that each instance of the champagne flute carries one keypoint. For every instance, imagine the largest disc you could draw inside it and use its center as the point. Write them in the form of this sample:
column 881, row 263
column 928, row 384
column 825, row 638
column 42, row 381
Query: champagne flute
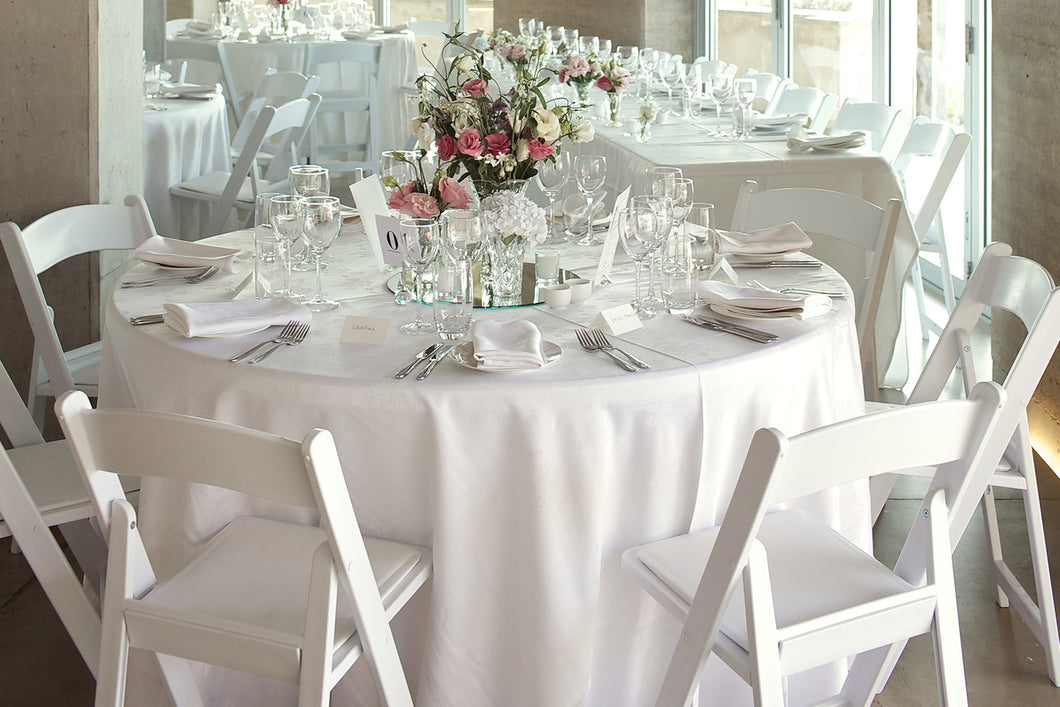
column 322, row 217
column 746, row 90
column 285, row 214
column 420, row 239
column 720, row 90
column 639, row 232
column 551, row 176
column 590, row 172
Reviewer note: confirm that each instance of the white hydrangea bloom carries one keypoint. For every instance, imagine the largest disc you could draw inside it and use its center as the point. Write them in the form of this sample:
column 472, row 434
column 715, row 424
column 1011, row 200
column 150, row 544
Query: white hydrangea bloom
column 510, row 214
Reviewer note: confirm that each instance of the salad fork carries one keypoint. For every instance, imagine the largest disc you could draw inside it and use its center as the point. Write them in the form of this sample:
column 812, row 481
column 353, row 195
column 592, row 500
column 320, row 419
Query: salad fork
column 288, row 329
column 589, row 344
column 295, row 337
column 605, row 344
column 197, row 277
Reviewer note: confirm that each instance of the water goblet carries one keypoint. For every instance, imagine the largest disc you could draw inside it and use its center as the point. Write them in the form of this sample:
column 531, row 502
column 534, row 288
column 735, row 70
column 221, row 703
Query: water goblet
column 420, row 240
column 309, row 180
column 639, row 234
column 551, row 176
column 672, row 74
column 628, row 56
column 322, row 219
column 463, row 234
column 746, row 90
column 590, row 172
column 286, row 216
column 658, row 177
column 720, row 90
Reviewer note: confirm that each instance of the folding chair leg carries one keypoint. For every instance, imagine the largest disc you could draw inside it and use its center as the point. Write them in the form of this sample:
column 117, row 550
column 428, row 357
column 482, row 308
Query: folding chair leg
column 993, row 534
column 944, row 265
column 918, row 290
column 1046, row 609
column 315, row 674
column 946, row 633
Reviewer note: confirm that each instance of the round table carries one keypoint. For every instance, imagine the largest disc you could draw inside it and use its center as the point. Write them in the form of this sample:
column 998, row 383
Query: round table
column 183, row 138
column 528, row 486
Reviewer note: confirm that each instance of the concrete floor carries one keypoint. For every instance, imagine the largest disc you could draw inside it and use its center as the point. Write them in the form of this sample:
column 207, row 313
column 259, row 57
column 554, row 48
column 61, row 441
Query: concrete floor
column 1004, row 662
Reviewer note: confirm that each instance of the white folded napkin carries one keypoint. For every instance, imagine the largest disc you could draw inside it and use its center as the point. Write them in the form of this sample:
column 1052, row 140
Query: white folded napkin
column 232, row 318
column 762, row 304
column 186, row 254
column 189, row 89
column 801, row 141
column 776, row 240
column 514, row 346
column 774, row 122
column 196, row 33
column 354, row 34
column 199, row 26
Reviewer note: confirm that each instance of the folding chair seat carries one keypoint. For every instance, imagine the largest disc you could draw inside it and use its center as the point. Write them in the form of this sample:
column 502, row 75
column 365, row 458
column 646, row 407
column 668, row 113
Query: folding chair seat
column 775, row 592
column 239, row 187
column 209, row 52
column 865, row 227
column 814, row 102
column 44, row 243
column 1021, row 287
column 882, row 124
column 295, row 602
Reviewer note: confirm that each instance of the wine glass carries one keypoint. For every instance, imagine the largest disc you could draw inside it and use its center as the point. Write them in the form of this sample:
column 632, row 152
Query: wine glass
column 322, row 217
column 551, row 176
column 396, row 164
column 589, row 174
column 285, row 214
column 628, row 56
column 746, row 90
column 658, row 175
column 682, row 192
column 720, row 86
column 649, row 59
column 463, row 235
column 664, row 209
column 309, row 180
column 699, row 222
column 420, row 239
column 639, row 232
column 671, row 73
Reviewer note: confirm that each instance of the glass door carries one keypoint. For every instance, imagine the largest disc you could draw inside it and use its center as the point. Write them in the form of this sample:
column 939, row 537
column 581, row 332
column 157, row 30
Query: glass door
column 744, row 34
column 832, row 46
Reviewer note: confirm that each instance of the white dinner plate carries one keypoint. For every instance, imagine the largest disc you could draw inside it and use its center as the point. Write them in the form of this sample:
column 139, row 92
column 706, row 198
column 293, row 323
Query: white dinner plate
column 464, row 354
column 748, row 314
column 761, row 257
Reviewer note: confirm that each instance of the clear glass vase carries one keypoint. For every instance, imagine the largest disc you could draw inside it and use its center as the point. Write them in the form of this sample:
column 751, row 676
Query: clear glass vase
column 503, row 271
column 614, row 104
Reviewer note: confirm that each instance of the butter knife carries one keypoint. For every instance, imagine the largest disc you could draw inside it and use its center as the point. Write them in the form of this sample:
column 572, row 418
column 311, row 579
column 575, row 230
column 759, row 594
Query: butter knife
column 762, row 337
column 435, row 358
column 426, row 353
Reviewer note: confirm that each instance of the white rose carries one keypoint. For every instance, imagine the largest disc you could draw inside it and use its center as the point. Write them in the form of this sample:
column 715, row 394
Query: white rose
column 465, row 64
column 548, row 128
column 424, row 133
column 584, row 132
column 522, row 150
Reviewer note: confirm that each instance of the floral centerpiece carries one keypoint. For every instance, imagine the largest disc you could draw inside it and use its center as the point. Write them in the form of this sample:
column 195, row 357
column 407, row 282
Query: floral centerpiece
column 423, row 198
column 513, row 222
column 282, row 13
column 522, row 52
column 580, row 71
column 614, row 80
column 646, row 115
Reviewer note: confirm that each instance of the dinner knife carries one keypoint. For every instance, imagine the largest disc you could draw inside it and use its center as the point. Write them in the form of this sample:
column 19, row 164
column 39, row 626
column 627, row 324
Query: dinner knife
column 776, row 264
column 435, row 358
column 762, row 337
column 426, row 353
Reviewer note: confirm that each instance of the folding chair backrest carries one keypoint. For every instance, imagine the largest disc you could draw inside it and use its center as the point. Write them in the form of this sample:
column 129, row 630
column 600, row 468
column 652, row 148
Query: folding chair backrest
column 274, row 89
column 209, row 52
column 363, row 57
column 882, row 123
column 812, row 101
column 770, row 86
column 926, row 162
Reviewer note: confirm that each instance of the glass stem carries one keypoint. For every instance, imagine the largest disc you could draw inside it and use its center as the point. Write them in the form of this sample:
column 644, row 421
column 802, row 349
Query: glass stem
column 317, row 257
column 637, row 266
column 418, row 286
column 287, row 267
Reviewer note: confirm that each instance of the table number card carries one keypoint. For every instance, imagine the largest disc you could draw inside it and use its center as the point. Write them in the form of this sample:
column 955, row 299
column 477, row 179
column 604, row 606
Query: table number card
column 389, row 230
column 370, row 199
column 607, row 254
column 617, row 320
column 365, row 330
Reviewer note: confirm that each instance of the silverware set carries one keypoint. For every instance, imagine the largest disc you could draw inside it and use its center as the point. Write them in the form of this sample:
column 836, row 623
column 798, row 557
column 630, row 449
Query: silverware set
column 292, row 334
column 199, row 276
column 594, row 340
column 762, row 337
column 432, row 355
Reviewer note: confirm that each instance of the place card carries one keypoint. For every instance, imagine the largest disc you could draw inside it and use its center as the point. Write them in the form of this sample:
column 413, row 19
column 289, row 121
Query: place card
column 607, row 254
column 370, row 199
column 723, row 271
column 389, row 231
column 365, row 330
column 617, row 320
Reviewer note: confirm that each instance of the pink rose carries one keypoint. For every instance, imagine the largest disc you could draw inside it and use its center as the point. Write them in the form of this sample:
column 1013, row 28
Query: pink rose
column 422, row 205
column 399, row 197
column 446, row 147
column 453, row 194
column 475, row 88
column 577, row 66
column 517, row 53
column 604, row 83
column 498, row 144
column 539, row 150
column 469, row 143
column 563, row 76
column 504, row 50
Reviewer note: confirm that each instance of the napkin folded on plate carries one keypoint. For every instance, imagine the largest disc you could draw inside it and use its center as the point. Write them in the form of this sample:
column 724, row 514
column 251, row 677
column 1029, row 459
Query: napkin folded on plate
column 724, row 298
column 801, row 141
column 190, row 89
column 198, row 28
column 775, row 122
column 513, row 346
column 354, row 34
column 776, row 240
column 232, row 318
column 186, row 254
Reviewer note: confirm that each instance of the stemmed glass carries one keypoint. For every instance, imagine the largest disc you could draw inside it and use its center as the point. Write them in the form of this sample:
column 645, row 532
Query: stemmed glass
column 639, row 232
column 463, row 235
column 746, row 90
column 420, row 240
column 649, row 59
column 699, row 222
column 322, row 218
column 720, row 90
column 286, row 216
column 551, row 176
column 672, row 74
column 628, row 56
column 308, row 180
column 590, row 172
column 658, row 175
column 664, row 210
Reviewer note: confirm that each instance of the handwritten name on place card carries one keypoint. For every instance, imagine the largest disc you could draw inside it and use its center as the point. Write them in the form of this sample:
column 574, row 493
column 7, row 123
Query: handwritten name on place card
column 618, row 320
column 365, row 330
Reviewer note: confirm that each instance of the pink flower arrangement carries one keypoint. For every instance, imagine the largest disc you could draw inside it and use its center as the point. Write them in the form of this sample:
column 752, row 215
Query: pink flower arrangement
column 476, row 88
column 613, row 78
column 411, row 198
column 579, row 70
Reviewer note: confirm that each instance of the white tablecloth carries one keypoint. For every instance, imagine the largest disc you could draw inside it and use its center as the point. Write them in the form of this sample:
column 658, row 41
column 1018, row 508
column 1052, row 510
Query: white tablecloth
column 397, row 70
column 183, row 138
column 719, row 166
column 527, row 486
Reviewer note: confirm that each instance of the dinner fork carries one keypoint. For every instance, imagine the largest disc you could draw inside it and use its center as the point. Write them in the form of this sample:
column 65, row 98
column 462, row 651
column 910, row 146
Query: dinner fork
column 589, row 344
column 288, row 329
column 605, row 344
column 296, row 337
column 197, row 277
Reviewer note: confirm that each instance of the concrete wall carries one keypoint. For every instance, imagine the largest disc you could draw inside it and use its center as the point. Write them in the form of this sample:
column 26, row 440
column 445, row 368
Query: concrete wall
column 1025, row 153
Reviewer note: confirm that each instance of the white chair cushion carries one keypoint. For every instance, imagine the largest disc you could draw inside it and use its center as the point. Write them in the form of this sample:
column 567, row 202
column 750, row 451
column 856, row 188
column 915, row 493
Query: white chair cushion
column 213, row 184
column 813, row 569
column 254, row 575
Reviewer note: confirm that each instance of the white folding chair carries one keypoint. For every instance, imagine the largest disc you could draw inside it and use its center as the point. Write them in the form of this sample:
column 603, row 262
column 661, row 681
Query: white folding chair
column 299, row 603
column 274, row 89
column 814, row 102
column 1002, row 281
column 882, row 124
column 777, row 593
column 177, row 69
column 430, row 38
column 46, row 242
column 356, row 111
column 926, row 163
column 209, row 51
column 865, row 227
column 239, row 187
column 770, row 87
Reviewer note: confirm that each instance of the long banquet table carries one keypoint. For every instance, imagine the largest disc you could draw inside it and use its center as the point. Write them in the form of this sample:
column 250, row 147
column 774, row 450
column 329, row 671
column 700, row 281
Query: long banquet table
column 528, row 486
